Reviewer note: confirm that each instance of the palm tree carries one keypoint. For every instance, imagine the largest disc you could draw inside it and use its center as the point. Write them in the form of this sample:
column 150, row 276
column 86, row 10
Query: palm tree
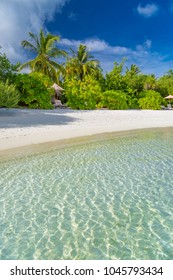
column 44, row 47
column 133, row 70
column 81, row 63
column 150, row 82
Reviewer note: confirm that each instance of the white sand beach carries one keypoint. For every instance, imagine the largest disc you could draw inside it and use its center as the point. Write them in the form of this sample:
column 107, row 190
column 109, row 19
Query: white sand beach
column 23, row 127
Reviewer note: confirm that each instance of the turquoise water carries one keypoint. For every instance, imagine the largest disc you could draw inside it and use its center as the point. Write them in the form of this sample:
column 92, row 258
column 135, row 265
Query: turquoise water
column 111, row 199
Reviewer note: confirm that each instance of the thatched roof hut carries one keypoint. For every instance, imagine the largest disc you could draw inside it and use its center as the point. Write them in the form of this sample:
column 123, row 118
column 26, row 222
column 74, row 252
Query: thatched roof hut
column 57, row 89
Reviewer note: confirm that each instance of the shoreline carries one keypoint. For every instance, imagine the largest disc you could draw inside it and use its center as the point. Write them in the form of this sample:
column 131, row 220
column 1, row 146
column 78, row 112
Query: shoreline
column 35, row 149
column 21, row 128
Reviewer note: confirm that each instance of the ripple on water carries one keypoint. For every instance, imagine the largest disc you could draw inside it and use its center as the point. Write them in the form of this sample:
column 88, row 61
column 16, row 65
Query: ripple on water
column 105, row 200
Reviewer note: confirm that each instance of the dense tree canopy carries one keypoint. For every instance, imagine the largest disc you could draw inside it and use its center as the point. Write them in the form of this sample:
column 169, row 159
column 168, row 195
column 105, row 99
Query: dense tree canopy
column 165, row 85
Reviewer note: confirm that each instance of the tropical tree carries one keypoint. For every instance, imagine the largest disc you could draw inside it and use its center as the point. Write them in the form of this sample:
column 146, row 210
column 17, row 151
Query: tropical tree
column 81, row 63
column 150, row 82
column 114, row 79
column 8, row 71
column 44, row 47
column 165, row 84
column 132, row 80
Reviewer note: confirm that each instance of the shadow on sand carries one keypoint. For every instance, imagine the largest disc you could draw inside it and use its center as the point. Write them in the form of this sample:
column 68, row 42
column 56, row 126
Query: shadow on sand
column 13, row 118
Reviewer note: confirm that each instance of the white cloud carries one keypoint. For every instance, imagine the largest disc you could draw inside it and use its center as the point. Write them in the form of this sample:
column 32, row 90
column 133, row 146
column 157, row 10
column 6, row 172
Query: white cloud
column 18, row 17
column 95, row 45
column 145, row 46
column 148, row 43
column 141, row 55
column 147, row 11
column 92, row 44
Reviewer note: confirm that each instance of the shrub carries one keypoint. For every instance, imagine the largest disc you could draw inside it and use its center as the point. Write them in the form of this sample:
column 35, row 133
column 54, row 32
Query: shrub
column 114, row 100
column 83, row 95
column 151, row 100
column 34, row 93
column 9, row 96
column 132, row 99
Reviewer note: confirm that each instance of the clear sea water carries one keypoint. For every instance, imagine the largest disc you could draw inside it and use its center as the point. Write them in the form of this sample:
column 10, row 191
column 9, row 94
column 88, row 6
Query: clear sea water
column 110, row 199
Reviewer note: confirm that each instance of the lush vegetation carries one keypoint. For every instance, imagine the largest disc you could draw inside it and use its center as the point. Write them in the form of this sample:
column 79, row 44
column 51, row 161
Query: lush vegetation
column 8, row 71
column 151, row 100
column 9, row 96
column 82, row 94
column 114, row 100
column 33, row 92
column 81, row 77
column 81, row 64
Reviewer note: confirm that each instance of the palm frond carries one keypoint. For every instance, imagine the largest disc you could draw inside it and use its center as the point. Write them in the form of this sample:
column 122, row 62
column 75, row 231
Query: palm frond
column 50, row 40
column 58, row 66
column 33, row 36
column 57, row 53
column 44, row 46
column 27, row 64
column 28, row 45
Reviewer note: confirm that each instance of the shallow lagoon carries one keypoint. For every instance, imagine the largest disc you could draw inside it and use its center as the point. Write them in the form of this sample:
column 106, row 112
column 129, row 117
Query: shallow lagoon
column 110, row 199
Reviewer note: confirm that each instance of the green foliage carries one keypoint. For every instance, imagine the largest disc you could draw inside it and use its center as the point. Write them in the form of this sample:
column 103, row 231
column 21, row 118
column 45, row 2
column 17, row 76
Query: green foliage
column 132, row 100
column 7, row 70
column 114, row 100
column 150, row 82
column 81, row 64
column 45, row 80
column 151, row 100
column 9, row 96
column 82, row 80
column 114, row 79
column 83, row 95
column 133, row 81
column 132, row 87
column 98, row 76
column 165, row 85
column 43, row 45
column 34, row 93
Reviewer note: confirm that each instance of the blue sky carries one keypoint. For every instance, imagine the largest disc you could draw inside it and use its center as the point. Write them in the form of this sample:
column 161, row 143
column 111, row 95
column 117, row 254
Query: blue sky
column 139, row 30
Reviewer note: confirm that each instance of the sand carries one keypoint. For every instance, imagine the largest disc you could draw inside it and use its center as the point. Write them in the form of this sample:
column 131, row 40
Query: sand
column 23, row 127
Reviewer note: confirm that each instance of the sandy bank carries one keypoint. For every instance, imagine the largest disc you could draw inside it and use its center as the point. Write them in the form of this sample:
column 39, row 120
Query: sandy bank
column 26, row 127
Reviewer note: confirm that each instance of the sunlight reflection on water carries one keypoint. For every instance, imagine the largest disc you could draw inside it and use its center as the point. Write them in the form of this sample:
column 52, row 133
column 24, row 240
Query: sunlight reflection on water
column 105, row 200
